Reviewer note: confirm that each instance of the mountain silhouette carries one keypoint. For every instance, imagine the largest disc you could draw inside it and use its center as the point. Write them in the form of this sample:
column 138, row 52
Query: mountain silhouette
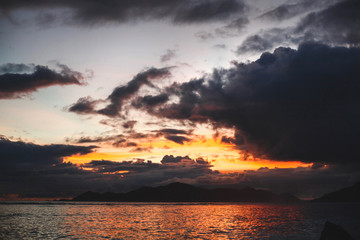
column 180, row 192
column 348, row 194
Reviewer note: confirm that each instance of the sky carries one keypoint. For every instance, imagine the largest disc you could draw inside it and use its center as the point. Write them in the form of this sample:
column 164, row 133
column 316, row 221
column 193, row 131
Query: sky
column 115, row 95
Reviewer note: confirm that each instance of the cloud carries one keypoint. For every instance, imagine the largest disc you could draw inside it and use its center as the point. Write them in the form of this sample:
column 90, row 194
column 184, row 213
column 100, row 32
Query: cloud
column 129, row 124
column 336, row 24
column 172, row 131
column 285, row 11
column 177, row 139
column 119, row 141
column 38, row 170
column 291, row 10
column 16, row 68
column 112, row 11
column 305, row 182
column 149, row 100
column 144, row 173
column 262, row 41
column 120, row 94
column 173, row 135
column 96, row 139
column 170, row 54
column 84, row 105
column 234, row 28
column 220, row 46
column 14, row 83
column 172, row 159
column 169, row 167
column 32, row 170
column 203, row 35
column 32, row 156
column 287, row 105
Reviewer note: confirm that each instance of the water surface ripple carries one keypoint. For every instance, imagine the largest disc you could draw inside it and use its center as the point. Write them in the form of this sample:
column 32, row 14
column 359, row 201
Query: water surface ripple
column 54, row 220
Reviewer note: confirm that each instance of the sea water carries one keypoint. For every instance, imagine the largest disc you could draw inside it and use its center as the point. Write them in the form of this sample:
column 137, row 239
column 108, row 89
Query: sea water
column 72, row 220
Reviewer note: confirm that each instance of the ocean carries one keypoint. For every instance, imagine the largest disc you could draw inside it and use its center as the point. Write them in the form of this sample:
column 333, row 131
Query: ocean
column 76, row 220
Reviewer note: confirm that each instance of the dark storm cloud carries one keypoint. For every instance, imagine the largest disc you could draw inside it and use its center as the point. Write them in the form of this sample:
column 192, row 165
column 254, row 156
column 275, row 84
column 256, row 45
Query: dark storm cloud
column 337, row 24
column 120, row 94
column 96, row 12
column 288, row 105
column 14, row 83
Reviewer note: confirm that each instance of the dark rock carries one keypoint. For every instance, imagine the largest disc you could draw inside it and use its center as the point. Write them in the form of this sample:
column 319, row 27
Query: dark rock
column 332, row 231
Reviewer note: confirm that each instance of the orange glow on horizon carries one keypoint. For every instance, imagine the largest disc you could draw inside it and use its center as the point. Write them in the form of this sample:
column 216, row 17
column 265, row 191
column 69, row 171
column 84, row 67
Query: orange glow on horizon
column 223, row 156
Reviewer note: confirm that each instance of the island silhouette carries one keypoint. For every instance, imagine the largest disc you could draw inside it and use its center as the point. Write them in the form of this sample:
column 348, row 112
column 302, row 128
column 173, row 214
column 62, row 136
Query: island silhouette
column 347, row 194
column 181, row 192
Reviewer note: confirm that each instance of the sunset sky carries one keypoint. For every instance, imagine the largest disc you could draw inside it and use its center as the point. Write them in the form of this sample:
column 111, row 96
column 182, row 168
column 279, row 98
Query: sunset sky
column 114, row 95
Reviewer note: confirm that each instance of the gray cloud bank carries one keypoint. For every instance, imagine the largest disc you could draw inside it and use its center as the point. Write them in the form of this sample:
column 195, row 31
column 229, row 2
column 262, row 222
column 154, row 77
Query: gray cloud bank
column 32, row 170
